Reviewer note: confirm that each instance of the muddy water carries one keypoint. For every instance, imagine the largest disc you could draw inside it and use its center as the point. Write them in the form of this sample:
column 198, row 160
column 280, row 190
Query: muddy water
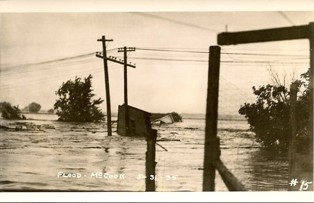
column 44, row 160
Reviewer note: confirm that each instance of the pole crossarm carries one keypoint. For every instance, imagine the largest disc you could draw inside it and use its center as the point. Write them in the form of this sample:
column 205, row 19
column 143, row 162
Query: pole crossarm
column 121, row 49
column 113, row 59
column 264, row 35
column 106, row 40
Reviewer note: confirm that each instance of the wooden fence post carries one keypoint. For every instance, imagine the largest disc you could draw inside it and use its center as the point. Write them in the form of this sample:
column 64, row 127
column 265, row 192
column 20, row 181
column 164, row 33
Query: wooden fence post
column 292, row 143
column 211, row 151
column 310, row 136
column 150, row 161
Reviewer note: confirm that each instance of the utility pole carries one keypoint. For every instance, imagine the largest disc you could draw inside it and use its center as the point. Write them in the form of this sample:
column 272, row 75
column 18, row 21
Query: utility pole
column 122, row 62
column 104, row 40
column 125, row 51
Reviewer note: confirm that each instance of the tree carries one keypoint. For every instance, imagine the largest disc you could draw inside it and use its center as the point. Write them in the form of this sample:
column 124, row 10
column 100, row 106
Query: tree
column 268, row 117
column 34, row 107
column 75, row 102
column 177, row 117
column 51, row 111
column 10, row 112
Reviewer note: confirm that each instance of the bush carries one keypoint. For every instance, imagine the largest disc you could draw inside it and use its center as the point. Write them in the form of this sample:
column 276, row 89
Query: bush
column 10, row 112
column 51, row 111
column 75, row 102
column 269, row 116
column 177, row 117
column 34, row 107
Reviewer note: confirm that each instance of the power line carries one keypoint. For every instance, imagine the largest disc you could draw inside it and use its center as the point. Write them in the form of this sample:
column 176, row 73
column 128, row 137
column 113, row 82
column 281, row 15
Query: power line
column 177, row 22
column 206, row 52
column 44, row 68
column 85, row 59
column 168, row 59
column 286, row 17
column 147, row 49
column 8, row 78
column 262, row 54
column 54, row 77
column 54, row 61
column 172, row 50
column 206, row 61
column 57, row 60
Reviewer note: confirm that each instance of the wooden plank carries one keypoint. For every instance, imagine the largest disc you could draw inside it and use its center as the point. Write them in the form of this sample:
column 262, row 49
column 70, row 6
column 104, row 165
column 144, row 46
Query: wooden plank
column 264, row 35
column 211, row 151
column 232, row 183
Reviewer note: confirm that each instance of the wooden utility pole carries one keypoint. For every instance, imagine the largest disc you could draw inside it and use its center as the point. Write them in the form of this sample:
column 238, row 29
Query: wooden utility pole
column 212, row 151
column 112, row 59
column 292, row 122
column 125, row 51
column 104, row 40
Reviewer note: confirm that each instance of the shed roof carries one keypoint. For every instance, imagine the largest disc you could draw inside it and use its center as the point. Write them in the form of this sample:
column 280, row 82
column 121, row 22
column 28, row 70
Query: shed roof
column 137, row 109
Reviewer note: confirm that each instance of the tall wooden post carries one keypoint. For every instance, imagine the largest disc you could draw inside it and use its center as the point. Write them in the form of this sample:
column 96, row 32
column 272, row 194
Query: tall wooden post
column 150, row 161
column 310, row 136
column 292, row 144
column 104, row 40
column 212, row 151
column 311, row 27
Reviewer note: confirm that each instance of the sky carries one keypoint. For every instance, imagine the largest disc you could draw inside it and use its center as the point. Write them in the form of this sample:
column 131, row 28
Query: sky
column 39, row 51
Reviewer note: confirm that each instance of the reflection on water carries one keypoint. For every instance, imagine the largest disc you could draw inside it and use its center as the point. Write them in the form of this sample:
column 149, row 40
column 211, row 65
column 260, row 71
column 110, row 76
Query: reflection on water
column 34, row 160
column 272, row 176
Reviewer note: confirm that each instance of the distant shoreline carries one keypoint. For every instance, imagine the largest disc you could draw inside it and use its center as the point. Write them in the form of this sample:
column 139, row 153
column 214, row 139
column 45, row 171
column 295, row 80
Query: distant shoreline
column 192, row 116
column 45, row 113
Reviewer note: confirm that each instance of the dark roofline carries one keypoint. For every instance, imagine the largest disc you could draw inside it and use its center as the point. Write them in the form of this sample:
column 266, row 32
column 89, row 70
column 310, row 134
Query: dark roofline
column 137, row 109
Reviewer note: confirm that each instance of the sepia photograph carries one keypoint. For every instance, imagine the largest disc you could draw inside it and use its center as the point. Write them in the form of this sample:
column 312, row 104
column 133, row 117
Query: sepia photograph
column 175, row 101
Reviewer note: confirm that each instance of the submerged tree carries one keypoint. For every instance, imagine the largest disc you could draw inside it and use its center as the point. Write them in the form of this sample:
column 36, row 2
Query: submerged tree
column 177, row 117
column 75, row 102
column 34, row 107
column 269, row 115
column 10, row 112
column 51, row 111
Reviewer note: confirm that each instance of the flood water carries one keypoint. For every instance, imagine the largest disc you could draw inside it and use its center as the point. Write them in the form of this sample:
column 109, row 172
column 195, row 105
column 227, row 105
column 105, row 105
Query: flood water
column 44, row 159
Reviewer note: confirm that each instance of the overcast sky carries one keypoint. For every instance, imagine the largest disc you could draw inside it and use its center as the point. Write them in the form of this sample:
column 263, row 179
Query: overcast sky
column 163, row 81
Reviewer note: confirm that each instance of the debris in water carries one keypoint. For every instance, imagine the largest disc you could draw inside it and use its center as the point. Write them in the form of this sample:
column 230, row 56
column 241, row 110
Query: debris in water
column 168, row 140
column 26, row 126
column 189, row 128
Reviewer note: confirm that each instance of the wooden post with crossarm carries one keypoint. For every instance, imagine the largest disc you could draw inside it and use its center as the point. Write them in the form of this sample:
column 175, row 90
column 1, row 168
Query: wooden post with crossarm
column 125, row 51
column 104, row 40
column 304, row 157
